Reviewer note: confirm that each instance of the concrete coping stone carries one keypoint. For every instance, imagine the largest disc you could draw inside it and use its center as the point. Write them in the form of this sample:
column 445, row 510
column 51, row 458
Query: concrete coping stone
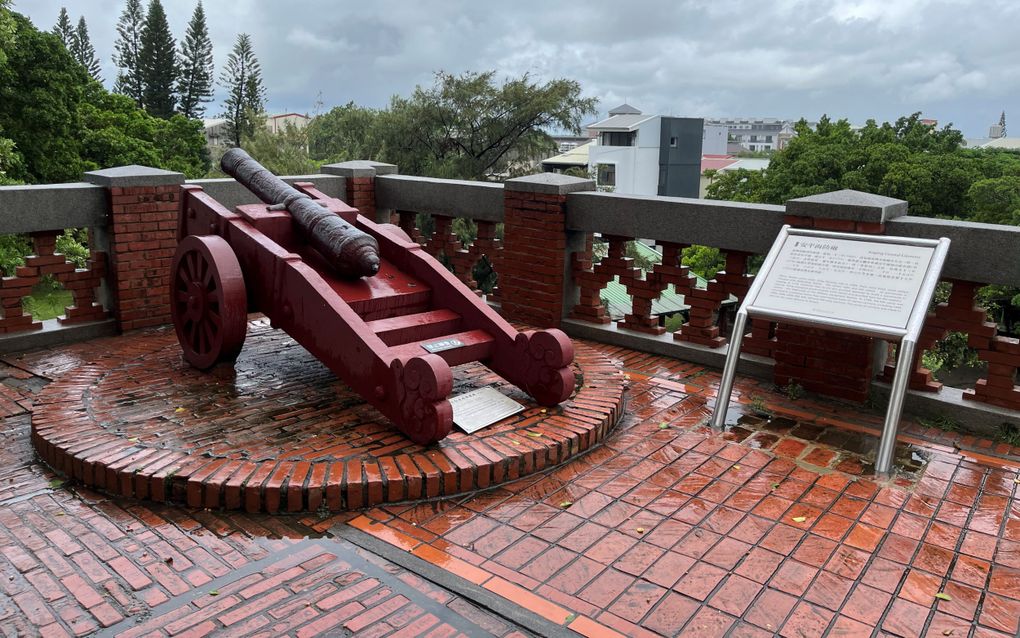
column 549, row 184
column 133, row 175
column 359, row 168
column 848, row 204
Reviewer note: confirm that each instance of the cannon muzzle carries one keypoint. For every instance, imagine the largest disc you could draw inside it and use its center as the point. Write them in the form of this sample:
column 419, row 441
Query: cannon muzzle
column 351, row 252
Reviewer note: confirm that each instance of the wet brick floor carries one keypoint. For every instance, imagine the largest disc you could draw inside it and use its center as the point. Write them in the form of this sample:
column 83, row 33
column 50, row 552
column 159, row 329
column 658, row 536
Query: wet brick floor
column 772, row 528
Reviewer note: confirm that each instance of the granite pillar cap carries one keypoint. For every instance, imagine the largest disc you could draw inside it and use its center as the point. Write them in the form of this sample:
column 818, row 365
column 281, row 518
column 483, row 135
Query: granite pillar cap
column 850, row 205
column 549, row 184
column 133, row 175
column 359, row 168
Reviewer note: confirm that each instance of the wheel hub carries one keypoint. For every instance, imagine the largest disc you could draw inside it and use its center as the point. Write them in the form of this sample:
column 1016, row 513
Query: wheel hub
column 196, row 303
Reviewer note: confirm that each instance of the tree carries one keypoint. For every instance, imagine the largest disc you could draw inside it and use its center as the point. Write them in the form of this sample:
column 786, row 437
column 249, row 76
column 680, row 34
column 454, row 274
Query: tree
column 194, row 86
column 347, row 132
column 468, row 127
column 62, row 123
column 83, row 51
column 1002, row 124
column 157, row 61
column 63, row 28
column 284, row 152
column 246, row 97
column 128, row 49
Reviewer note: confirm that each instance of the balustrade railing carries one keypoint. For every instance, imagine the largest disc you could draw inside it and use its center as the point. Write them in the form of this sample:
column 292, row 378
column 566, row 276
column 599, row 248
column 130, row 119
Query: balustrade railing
column 43, row 213
column 565, row 218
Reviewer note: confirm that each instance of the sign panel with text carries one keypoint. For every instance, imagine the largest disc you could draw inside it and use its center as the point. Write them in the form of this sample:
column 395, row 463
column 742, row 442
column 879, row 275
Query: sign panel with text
column 875, row 285
column 850, row 279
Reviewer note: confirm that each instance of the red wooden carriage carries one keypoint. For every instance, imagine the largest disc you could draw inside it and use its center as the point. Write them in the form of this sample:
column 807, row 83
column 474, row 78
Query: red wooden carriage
column 383, row 335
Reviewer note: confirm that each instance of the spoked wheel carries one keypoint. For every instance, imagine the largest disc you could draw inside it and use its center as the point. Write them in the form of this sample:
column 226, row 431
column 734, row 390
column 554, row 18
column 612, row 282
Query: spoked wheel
column 208, row 301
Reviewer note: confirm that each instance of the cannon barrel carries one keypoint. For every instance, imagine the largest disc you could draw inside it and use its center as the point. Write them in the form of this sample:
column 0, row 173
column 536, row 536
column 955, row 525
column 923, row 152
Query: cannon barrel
column 351, row 252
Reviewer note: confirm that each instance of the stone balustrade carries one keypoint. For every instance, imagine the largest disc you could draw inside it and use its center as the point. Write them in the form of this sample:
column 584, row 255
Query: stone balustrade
column 547, row 273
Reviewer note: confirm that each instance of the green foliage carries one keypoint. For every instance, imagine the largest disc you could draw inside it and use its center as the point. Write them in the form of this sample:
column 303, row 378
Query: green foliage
column 908, row 159
column 941, row 422
column 62, row 123
column 759, row 408
column 13, row 249
column 793, row 391
column 674, row 322
column 83, row 52
column 116, row 133
column 63, row 29
column 996, row 200
column 1008, row 433
column 47, row 301
column 194, row 86
column 345, row 133
column 703, row 261
column 40, row 89
column 246, row 97
column 468, row 127
column 462, row 127
column 283, row 153
column 157, row 62
column 128, row 51
column 73, row 244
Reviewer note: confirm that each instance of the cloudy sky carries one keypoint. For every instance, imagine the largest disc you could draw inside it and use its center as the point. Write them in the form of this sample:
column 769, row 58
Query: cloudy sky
column 879, row 59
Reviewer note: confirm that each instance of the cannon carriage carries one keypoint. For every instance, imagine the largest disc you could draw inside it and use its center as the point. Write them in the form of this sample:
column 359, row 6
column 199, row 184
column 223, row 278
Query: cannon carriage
column 387, row 318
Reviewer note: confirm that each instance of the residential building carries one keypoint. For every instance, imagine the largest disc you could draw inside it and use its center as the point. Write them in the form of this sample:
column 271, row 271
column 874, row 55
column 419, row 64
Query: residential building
column 648, row 154
column 756, row 134
column 278, row 123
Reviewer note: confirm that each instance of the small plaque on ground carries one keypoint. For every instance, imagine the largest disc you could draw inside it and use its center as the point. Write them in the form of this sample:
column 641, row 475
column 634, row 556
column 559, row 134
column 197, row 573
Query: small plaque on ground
column 474, row 410
column 445, row 344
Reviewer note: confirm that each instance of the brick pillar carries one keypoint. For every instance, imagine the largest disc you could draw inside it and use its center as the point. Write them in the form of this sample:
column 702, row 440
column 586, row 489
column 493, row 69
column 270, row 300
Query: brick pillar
column 535, row 280
column 142, row 236
column 359, row 182
column 826, row 361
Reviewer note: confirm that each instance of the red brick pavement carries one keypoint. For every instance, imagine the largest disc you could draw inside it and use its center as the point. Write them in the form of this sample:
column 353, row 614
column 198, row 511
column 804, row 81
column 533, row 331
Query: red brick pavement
column 75, row 562
column 770, row 529
column 278, row 432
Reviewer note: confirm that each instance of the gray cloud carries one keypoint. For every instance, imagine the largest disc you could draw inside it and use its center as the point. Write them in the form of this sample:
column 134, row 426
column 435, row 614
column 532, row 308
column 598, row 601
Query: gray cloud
column 955, row 61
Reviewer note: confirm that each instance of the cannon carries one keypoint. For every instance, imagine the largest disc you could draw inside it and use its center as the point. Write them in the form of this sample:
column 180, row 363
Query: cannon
column 386, row 317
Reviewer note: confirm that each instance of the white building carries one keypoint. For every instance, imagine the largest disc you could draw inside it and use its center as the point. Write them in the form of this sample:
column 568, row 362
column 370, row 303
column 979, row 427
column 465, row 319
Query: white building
column 650, row 154
column 756, row 134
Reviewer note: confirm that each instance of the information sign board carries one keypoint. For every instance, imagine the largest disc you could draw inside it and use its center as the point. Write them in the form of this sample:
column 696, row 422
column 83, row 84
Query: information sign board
column 875, row 285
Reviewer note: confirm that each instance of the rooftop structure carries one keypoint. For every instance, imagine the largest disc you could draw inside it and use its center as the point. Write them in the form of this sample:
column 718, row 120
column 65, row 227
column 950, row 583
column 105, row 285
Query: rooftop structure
column 142, row 497
column 650, row 154
column 756, row 134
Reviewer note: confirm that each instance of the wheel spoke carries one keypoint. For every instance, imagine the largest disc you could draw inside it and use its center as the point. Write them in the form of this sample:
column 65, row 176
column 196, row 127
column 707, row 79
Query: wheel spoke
column 207, row 328
column 215, row 319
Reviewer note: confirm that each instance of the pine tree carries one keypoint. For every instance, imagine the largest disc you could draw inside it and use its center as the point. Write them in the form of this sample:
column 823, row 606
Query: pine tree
column 63, row 28
column 83, row 51
column 157, row 62
column 128, row 47
column 194, row 86
column 1002, row 124
column 246, row 97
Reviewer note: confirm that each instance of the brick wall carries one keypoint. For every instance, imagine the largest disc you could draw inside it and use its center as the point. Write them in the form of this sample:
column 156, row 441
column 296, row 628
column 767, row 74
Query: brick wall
column 142, row 242
column 534, row 263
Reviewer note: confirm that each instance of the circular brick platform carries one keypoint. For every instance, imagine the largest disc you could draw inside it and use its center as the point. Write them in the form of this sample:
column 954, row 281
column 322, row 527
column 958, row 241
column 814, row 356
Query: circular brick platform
column 279, row 432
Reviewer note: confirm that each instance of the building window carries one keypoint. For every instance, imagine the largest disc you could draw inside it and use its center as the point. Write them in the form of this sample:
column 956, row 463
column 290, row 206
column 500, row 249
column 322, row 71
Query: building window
column 618, row 138
column 674, row 142
column 606, row 175
column 768, row 138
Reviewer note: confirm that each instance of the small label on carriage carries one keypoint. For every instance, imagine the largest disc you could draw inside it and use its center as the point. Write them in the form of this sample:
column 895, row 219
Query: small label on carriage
column 445, row 344
column 477, row 409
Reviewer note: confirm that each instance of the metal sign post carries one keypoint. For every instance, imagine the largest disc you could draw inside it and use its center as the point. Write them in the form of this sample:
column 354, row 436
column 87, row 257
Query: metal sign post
column 872, row 285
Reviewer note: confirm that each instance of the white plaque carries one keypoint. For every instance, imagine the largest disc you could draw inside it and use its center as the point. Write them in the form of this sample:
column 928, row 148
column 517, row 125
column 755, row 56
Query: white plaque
column 440, row 346
column 857, row 280
column 474, row 410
